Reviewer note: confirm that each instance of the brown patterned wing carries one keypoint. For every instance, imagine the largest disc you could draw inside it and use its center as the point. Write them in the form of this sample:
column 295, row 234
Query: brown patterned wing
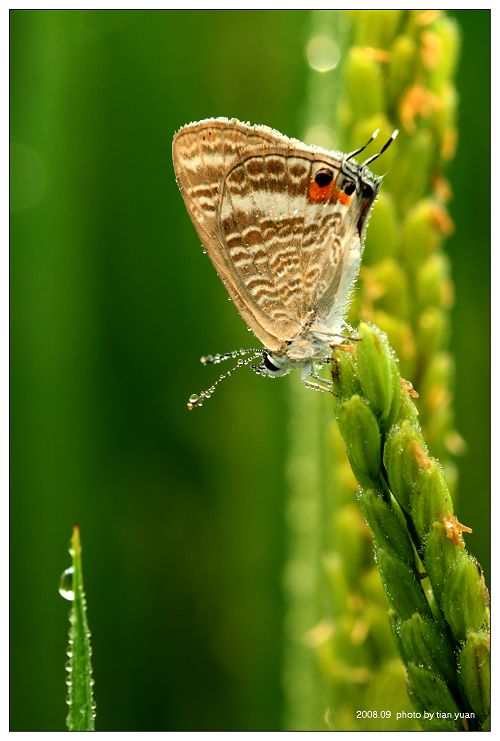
column 203, row 154
column 279, row 253
column 286, row 249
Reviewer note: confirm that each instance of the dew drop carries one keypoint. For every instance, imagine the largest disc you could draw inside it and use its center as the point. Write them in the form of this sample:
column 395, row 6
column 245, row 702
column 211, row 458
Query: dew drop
column 66, row 584
column 323, row 53
column 193, row 399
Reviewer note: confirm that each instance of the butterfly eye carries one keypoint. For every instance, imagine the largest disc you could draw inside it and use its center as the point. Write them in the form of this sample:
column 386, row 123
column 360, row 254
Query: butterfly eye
column 267, row 362
column 323, row 177
column 349, row 187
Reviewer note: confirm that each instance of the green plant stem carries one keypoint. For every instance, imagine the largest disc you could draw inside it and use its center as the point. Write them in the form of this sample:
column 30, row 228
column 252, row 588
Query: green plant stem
column 304, row 577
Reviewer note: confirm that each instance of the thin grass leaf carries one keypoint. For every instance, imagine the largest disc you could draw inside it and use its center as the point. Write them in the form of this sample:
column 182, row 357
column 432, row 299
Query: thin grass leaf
column 80, row 698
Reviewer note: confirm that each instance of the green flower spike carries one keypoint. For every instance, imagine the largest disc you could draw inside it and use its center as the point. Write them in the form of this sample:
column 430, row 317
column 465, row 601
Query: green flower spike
column 436, row 591
column 474, row 664
column 358, row 426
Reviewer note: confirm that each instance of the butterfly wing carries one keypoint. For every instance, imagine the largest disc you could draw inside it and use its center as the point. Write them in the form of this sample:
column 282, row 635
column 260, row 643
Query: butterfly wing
column 281, row 254
column 284, row 247
column 203, row 154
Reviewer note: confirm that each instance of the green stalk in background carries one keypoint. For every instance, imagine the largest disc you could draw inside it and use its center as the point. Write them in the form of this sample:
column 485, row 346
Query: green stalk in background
column 80, row 699
column 387, row 70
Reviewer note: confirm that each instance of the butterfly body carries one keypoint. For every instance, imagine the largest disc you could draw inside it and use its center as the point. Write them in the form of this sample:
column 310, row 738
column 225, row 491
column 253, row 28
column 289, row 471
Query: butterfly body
column 284, row 225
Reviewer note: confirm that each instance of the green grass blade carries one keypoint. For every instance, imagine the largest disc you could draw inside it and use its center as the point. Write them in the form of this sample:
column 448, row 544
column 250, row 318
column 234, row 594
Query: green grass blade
column 80, row 699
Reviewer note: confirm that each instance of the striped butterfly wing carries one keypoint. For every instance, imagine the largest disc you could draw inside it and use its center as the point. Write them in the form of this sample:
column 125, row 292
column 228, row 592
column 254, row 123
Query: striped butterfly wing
column 279, row 253
column 288, row 250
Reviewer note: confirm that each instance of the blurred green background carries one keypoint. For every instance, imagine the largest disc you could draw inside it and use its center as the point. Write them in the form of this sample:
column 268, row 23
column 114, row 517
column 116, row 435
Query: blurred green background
column 112, row 304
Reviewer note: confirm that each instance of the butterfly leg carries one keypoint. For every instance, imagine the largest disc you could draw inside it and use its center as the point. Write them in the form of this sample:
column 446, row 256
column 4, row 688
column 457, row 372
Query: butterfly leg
column 316, row 386
column 347, row 326
column 325, row 332
column 344, row 346
column 319, row 383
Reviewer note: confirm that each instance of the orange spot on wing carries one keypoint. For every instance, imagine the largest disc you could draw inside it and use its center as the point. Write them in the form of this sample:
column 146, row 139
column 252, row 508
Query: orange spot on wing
column 339, row 195
column 318, row 193
column 329, row 192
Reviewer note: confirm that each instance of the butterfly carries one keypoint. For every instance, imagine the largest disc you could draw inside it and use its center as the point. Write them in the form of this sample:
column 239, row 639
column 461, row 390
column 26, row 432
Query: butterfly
column 284, row 224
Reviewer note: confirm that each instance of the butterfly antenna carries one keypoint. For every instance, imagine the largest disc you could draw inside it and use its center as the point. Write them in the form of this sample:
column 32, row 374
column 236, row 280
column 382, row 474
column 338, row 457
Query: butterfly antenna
column 196, row 400
column 386, row 145
column 361, row 149
column 219, row 358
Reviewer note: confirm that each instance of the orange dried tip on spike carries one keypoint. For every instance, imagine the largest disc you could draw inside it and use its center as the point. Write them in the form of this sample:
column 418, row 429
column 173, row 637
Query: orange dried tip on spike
column 408, row 387
column 442, row 220
column 442, row 188
column 431, row 49
column 320, row 194
column 454, row 529
column 417, row 101
column 376, row 55
column 423, row 459
column 427, row 17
